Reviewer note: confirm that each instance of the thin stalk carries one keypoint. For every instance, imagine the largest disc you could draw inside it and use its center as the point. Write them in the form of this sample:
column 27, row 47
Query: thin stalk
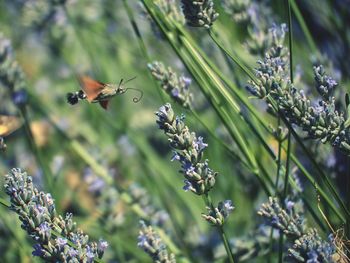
column 209, row 203
column 217, row 140
column 4, row 203
column 279, row 155
column 304, row 27
column 235, row 59
column 286, row 177
column 142, row 45
column 30, row 138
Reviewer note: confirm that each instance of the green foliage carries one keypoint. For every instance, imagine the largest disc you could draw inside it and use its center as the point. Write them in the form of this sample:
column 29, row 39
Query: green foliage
column 288, row 145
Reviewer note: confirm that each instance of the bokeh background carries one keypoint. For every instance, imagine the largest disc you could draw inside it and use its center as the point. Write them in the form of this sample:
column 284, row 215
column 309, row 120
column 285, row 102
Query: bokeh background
column 112, row 168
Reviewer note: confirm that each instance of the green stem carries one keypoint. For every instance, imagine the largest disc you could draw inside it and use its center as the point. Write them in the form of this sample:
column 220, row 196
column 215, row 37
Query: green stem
column 278, row 157
column 235, row 59
column 286, row 177
column 304, row 27
column 4, row 203
column 209, row 203
column 141, row 44
column 231, row 152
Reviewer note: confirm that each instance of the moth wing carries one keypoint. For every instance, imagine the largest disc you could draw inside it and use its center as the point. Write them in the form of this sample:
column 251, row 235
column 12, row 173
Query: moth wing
column 104, row 104
column 8, row 124
column 91, row 87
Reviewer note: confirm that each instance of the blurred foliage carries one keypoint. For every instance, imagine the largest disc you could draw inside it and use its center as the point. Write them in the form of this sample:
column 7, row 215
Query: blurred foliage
column 112, row 168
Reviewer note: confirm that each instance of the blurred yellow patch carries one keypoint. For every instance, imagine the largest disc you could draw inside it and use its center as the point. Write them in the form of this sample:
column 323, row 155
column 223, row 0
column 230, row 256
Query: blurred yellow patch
column 41, row 132
column 9, row 124
column 76, row 187
column 273, row 143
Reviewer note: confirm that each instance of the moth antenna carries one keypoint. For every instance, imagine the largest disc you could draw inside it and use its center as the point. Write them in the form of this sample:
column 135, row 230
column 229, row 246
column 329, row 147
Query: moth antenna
column 135, row 99
column 130, row 79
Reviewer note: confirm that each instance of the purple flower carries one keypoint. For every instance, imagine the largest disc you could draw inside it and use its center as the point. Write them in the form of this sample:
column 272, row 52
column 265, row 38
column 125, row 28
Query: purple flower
column 143, row 241
column 72, row 252
column 38, row 250
column 187, row 81
column 188, row 186
column 102, row 245
column 331, row 83
column 228, row 206
column 312, row 257
column 45, row 228
column 199, row 145
column 61, row 242
column 289, row 205
column 90, row 254
column 175, row 92
column 176, row 157
column 19, row 97
column 40, row 210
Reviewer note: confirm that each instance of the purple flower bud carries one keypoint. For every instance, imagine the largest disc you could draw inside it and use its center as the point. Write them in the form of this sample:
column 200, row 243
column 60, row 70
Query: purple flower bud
column 102, row 245
column 19, row 97
column 38, row 250
column 61, row 242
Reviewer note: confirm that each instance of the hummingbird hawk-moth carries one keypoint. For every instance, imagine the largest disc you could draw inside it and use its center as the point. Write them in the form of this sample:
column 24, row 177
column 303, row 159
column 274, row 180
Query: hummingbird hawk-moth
column 98, row 92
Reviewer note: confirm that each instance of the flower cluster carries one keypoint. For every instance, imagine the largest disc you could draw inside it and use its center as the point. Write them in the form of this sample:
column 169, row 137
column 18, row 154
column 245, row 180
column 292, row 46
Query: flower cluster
column 257, row 17
column 171, row 10
column 238, row 9
column 140, row 196
column 11, row 74
column 308, row 245
column 219, row 214
column 57, row 238
column 320, row 121
column 110, row 202
column 199, row 13
column 38, row 13
column 188, row 151
column 49, row 19
column 255, row 244
column 312, row 248
column 176, row 87
column 325, row 85
column 151, row 243
column 289, row 222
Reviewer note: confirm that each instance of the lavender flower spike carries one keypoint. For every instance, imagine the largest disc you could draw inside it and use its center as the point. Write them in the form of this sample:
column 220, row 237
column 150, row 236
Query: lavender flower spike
column 199, row 13
column 151, row 243
column 219, row 214
column 177, row 87
column 188, row 148
column 57, row 238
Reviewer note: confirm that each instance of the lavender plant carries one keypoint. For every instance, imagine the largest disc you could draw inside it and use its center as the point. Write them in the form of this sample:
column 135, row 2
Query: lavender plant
column 171, row 10
column 307, row 246
column 320, row 121
column 257, row 17
column 199, row 13
column 151, row 243
column 176, row 87
column 199, row 178
column 11, row 74
column 57, row 238
column 219, row 214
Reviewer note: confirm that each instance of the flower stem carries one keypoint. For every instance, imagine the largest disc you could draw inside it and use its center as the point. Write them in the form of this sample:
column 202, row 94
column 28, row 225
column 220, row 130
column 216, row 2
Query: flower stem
column 209, row 203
